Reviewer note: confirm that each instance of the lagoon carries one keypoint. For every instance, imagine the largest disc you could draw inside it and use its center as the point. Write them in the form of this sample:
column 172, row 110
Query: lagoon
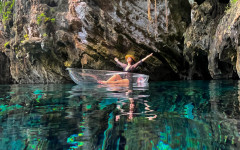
column 158, row 115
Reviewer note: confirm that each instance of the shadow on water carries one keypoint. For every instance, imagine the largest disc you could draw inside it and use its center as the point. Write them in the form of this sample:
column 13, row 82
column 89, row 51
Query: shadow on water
column 162, row 115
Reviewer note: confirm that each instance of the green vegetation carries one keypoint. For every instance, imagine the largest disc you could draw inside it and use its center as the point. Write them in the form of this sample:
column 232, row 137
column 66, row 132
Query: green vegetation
column 6, row 44
column 6, row 10
column 26, row 37
column 42, row 18
column 53, row 20
column 16, row 50
column 231, row 4
column 45, row 35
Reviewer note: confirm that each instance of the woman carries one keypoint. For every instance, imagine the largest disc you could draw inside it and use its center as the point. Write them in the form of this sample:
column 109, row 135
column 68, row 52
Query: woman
column 129, row 67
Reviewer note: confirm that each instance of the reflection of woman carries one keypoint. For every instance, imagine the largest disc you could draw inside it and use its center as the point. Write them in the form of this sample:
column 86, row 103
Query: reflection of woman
column 129, row 67
column 132, row 108
column 129, row 95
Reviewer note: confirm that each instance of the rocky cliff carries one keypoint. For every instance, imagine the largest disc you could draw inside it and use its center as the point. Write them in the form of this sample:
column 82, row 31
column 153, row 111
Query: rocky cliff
column 41, row 38
column 211, row 40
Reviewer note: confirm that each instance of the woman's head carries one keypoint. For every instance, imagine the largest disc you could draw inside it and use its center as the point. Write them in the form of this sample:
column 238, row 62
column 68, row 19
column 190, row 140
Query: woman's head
column 130, row 59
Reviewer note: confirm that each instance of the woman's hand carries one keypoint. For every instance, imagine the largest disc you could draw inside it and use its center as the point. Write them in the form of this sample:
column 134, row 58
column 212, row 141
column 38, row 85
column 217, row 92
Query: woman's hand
column 147, row 57
column 150, row 55
column 116, row 59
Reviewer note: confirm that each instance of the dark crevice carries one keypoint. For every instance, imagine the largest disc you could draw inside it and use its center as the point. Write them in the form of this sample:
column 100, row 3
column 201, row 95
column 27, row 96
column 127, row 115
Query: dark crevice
column 180, row 8
column 11, row 23
column 199, row 2
column 61, row 44
column 201, row 61
column 64, row 55
column 5, row 76
column 52, row 4
column 226, row 69
column 224, row 1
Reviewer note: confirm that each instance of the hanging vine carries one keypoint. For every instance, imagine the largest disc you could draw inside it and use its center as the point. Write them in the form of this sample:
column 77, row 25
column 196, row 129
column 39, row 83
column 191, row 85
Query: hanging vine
column 166, row 11
column 149, row 10
column 149, row 14
column 155, row 11
column 155, row 14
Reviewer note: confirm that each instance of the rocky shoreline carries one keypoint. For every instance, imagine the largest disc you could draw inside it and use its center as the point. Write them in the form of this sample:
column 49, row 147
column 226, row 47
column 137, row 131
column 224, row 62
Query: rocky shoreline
column 190, row 39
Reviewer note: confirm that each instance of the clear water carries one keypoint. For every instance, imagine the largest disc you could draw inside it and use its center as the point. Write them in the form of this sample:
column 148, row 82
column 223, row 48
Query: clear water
column 165, row 115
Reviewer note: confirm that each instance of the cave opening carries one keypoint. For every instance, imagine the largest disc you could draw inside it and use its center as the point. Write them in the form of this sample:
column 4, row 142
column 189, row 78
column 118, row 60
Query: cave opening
column 52, row 4
column 201, row 66
column 199, row 2
column 224, row 1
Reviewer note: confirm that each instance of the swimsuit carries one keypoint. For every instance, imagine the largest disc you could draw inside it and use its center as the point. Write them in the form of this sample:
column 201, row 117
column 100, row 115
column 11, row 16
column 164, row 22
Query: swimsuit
column 130, row 69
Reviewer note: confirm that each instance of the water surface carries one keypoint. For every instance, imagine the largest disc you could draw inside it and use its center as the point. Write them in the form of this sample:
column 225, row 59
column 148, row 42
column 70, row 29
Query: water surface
column 164, row 115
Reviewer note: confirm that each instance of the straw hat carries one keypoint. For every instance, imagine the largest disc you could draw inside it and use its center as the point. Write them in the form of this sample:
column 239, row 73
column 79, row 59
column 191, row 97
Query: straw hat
column 131, row 56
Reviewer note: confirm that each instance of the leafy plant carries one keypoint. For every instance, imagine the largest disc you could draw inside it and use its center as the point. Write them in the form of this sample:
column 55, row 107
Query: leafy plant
column 6, row 44
column 67, row 63
column 26, row 37
column 44, row 34
column 230, row 4
column 53, row 20
column 42, row 18
column 6, row 10
column 233, row 2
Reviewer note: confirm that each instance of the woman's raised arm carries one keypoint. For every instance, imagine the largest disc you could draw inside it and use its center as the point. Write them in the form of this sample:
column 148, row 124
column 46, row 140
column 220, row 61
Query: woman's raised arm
column 140, row 62
column 147, row 57
column 120, row 63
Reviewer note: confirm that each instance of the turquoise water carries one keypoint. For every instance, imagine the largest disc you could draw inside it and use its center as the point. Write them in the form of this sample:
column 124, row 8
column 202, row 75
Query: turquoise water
column 177, row 115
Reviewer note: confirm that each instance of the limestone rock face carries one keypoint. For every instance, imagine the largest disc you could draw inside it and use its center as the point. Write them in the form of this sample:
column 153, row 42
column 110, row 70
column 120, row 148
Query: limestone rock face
column 224, row 50
column 41, row 38
column 210, row 45
column 199, row 36
column 47, row 36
